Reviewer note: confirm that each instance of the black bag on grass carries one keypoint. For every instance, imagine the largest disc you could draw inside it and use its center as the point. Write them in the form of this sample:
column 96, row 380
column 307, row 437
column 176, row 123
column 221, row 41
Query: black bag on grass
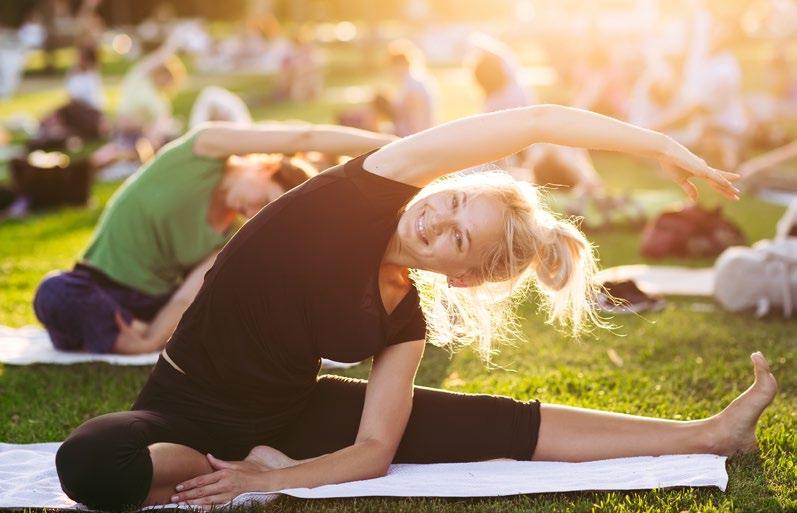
column 51, row 179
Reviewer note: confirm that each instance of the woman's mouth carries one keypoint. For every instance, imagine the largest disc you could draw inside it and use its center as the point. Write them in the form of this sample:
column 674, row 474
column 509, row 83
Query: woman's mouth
column 420, row 228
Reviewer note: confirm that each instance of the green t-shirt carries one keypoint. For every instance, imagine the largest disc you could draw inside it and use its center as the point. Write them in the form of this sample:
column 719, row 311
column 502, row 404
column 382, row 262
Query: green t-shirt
column 155, row 228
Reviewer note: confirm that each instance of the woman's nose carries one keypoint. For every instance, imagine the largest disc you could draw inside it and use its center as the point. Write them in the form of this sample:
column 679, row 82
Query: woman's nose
column 440, row 222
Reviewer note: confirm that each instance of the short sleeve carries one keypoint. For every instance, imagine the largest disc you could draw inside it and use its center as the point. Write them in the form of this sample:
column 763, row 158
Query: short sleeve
column 382, row 193
column 413, row 329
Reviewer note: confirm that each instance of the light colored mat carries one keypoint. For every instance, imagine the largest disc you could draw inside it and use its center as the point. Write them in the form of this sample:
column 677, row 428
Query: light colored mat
column 29, row 345
column 28, row 478
column 778, row 197
column 663, row 279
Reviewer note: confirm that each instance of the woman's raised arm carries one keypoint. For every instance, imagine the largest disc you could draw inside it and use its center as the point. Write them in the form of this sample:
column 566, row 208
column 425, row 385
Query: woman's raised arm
column 475, row 140
column 219, row 140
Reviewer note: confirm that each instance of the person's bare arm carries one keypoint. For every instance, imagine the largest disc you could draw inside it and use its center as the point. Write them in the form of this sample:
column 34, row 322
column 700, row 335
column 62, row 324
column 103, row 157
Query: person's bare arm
column 388, row 402
column 220, row 140
column 137, row 338
column 475, row 140
column 749, row 169
column 164, row 52
column 679, row 110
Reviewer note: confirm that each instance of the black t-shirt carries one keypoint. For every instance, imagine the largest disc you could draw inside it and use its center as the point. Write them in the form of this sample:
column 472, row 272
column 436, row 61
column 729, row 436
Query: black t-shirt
column 298, row 282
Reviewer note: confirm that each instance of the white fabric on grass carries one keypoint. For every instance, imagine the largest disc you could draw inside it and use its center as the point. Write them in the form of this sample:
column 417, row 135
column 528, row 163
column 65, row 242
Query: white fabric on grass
column 29, row 345
column 663, row 279
column 28, row 478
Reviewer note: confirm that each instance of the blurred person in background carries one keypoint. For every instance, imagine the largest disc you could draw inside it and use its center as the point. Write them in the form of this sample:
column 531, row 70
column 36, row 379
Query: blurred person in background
column 413, row 106
column 14, row 48
column 496, row 72
column 216, row 103
column 144, row 119
column 708, row 109
column 301, row 73
column 82, row 116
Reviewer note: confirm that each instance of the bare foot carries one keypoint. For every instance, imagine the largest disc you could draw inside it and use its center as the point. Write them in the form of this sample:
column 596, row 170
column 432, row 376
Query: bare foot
column 270, row 458
column 735, row 426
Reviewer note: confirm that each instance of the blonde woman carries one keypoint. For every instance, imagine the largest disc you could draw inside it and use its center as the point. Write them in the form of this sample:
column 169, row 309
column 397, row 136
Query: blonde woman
column 361, row 261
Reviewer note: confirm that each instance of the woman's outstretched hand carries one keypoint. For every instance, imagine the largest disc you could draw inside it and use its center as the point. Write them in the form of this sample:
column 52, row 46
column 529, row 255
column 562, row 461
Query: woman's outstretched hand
column 229, row 479
column 683, row 165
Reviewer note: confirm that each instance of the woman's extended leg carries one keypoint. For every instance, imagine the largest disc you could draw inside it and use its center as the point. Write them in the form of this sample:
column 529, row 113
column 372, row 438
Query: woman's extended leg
column 450, row 427
column 575, row 434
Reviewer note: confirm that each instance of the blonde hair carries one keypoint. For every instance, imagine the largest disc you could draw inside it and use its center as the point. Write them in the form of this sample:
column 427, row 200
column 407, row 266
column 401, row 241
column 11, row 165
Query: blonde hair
column 539, row 251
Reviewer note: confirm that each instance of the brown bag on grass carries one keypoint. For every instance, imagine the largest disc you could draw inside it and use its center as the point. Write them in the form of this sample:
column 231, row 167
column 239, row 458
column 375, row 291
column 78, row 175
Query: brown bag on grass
column 691, row 231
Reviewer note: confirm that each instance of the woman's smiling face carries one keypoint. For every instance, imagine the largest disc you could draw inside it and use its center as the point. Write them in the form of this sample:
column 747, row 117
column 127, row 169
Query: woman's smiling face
column 450, row 231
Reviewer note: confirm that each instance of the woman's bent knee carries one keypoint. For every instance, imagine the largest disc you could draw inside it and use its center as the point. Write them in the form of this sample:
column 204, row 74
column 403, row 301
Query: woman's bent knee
column 105, row 463
column 48, row 296
column 53, row 305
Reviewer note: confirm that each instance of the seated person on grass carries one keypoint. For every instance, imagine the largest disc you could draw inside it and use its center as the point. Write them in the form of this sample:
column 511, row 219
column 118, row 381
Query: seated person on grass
column 162, row 229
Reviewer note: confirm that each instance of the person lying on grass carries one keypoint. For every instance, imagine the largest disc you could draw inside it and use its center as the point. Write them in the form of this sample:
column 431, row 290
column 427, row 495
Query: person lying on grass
column 371, row 258
column 162, row 230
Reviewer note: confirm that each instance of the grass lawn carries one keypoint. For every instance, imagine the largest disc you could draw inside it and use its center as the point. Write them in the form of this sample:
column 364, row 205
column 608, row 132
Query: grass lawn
column 685, row 362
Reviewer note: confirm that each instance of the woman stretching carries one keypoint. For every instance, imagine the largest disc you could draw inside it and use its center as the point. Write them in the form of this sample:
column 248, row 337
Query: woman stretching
column 359, row 261
column 163, row 228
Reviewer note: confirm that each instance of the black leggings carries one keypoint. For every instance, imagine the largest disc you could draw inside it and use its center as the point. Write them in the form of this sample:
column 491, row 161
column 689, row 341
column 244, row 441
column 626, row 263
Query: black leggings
column 105, row 463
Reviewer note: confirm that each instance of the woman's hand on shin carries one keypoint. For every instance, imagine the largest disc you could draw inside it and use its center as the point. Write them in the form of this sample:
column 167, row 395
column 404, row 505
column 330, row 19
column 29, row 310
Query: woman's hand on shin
column 228, row 480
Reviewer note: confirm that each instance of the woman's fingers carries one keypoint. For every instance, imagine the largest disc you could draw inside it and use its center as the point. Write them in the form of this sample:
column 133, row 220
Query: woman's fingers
column 198, row 481
column 731, row 177
column 213, row 500
column 718, row 181
column 716, row 178
column 731, row 193
column 690, row 164
column 201, row 492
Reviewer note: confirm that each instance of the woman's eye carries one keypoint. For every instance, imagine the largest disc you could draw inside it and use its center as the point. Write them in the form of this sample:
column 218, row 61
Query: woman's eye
column 454, row 202
column 458, row 237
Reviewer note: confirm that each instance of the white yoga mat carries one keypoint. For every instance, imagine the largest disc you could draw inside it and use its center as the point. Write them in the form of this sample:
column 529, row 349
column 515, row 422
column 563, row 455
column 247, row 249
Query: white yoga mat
column 29, row 345
column 663, row 279
column 28, row 478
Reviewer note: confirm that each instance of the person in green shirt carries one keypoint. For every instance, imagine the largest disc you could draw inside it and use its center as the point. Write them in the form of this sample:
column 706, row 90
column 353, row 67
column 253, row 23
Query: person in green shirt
column 163, row 227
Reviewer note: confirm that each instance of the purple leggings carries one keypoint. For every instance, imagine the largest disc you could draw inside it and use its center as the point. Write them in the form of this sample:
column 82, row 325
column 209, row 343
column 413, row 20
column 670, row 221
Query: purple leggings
column 78, row 307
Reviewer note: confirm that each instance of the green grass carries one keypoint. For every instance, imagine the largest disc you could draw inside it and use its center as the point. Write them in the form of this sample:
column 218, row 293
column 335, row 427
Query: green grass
column 684, row 363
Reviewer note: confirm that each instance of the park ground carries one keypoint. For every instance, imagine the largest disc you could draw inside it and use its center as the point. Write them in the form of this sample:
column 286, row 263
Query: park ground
column 685, row 362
